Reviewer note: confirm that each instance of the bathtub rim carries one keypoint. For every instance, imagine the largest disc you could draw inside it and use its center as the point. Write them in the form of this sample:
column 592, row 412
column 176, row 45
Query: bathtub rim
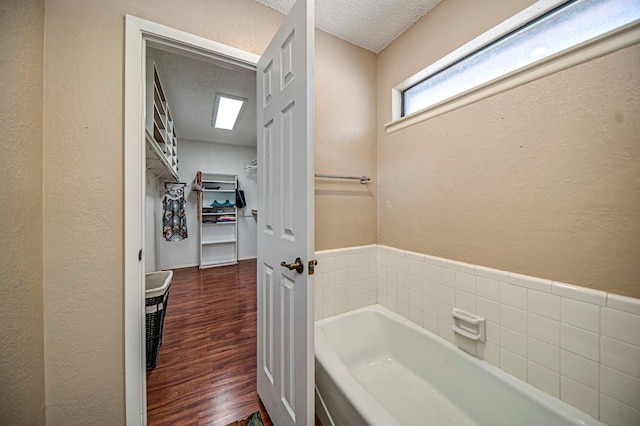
column 359, row 397
column 350, row 388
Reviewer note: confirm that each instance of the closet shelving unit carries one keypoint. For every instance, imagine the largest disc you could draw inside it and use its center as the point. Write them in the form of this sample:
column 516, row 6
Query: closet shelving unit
column 160, row 133
column 216, row 206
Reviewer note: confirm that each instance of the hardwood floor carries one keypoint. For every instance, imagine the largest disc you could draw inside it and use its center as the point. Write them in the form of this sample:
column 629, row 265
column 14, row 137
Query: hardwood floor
column 206, row 371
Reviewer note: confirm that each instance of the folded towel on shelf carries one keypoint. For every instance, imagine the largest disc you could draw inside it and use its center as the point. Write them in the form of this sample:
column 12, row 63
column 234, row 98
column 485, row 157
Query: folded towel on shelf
column 217, row 203
column 226, row 219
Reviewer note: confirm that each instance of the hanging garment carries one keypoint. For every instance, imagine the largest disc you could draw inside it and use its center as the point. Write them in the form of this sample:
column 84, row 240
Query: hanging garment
column 241, row 201
column 174, row 222
column 197, row 182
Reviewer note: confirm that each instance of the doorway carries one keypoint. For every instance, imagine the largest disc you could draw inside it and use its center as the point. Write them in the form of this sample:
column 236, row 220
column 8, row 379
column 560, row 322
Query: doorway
column 141, row 34
column 286, row 153
column 181, row 95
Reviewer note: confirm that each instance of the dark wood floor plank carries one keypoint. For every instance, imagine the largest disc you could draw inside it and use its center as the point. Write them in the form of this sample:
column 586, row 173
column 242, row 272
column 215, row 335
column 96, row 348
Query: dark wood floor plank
column 206, row 371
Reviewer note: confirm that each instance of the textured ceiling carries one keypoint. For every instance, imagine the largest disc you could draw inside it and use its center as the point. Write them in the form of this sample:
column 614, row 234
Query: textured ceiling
column 371, row 24
column 191, row 85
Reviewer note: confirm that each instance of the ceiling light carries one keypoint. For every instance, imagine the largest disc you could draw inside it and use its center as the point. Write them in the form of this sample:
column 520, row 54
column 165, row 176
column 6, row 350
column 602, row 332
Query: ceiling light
column 226, row 110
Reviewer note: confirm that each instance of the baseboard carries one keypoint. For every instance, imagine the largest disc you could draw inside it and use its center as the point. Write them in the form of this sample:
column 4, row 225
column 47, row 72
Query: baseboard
column 184, row 265
column 248, row 258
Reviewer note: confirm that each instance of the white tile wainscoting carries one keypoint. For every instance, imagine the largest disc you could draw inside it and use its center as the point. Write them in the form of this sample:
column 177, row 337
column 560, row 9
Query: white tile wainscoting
column 577, row 344
column 345, row 279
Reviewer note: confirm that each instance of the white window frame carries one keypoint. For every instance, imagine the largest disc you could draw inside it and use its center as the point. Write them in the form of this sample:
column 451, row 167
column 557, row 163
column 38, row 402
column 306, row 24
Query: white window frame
column 578, row 54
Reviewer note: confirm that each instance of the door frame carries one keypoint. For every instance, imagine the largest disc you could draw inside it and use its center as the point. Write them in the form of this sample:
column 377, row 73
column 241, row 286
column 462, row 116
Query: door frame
column 138, row 34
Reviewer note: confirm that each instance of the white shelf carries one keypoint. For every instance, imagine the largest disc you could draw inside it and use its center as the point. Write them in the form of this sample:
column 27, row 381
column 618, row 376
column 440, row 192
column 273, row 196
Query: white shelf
column 204, row 242
column 160, row 134
column 218, row 240
column 230, row 182
column 157, row 160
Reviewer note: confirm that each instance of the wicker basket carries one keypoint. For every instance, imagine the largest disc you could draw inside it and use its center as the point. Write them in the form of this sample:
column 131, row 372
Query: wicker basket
column 158, row 285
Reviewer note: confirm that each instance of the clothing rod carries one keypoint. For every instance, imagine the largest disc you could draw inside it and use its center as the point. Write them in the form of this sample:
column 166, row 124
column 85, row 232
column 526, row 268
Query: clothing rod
column 363, row 179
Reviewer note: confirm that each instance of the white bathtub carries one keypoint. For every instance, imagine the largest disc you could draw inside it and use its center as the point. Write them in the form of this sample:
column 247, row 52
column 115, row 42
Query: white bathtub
column 374, row 367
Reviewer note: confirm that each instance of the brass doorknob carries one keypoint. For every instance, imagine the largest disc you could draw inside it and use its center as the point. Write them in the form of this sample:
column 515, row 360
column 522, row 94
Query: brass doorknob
column 298, row 266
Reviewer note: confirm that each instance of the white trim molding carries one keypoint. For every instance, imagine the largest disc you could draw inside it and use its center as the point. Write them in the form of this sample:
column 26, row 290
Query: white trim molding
column 134, row 190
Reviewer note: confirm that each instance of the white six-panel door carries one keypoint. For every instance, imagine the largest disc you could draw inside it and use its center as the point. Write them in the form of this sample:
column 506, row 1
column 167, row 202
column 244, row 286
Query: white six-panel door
column 285, row 220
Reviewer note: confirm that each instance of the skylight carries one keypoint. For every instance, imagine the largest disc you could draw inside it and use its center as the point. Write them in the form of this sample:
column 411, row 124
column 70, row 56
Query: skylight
column 226, row 110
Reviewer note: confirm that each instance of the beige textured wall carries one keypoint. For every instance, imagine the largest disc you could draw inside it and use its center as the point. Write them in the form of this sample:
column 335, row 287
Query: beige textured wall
column 83, row 186
column 83, row 149
column 542, row 180
column 345, row 211
column 21, row 311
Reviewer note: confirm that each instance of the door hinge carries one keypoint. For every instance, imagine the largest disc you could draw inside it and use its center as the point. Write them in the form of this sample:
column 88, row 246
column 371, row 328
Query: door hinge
column 312, row 266
column 140, row 256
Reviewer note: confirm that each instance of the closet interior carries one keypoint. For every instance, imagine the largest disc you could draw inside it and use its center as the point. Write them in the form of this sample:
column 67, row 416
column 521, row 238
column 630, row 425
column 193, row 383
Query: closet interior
column 202, row 225
column 200, row 205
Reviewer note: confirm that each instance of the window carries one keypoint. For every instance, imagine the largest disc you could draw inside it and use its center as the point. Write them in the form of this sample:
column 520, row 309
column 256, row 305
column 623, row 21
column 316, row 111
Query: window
column 522, row 49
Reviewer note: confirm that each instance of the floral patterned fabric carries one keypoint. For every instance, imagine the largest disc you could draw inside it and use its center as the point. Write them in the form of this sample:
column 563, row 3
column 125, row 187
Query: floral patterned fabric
column 254, row 419
column 174, row 223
